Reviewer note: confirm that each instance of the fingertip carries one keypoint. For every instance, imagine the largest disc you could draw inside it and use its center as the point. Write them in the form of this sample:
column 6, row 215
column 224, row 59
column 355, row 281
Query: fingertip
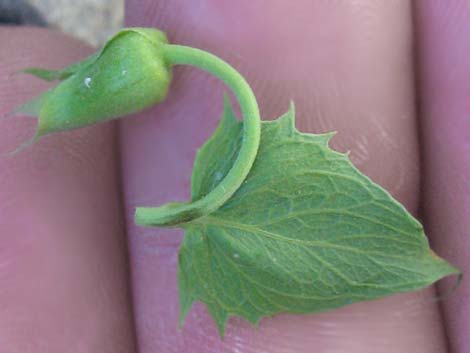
column 62, row 242
column 442, row 32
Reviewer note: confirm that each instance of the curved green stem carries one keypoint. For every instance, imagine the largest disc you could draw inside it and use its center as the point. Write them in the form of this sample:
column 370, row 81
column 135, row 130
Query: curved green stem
column 176, row 213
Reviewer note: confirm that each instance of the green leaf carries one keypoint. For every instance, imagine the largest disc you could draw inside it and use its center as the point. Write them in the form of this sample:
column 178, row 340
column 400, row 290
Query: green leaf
column 306, row 232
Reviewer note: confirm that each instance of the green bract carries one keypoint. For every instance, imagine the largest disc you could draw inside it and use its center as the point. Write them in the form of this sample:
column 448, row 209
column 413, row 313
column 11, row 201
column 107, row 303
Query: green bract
column 126, row 76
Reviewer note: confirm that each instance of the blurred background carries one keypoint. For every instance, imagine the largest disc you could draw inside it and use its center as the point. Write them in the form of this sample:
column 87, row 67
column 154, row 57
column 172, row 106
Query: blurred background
column 91, row 20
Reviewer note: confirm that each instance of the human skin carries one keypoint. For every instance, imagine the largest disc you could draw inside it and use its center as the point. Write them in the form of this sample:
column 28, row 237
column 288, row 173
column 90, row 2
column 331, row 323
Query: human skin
column 63, row 274
column 444, row 92
column 349, row 66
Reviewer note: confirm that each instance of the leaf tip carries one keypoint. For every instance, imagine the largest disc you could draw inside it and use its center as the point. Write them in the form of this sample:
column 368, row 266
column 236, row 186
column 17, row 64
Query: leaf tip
column 328, row 136
column 255, row 321
column 186, row 302
column 291, row 108
column 23, row 146
column 8, row 115
column 286, row 122
column 453, row 271
column 220, row 317
column 221, row 326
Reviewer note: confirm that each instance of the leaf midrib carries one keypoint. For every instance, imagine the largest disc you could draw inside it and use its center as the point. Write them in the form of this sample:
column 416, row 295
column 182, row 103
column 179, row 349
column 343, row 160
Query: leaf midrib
column 224, row 223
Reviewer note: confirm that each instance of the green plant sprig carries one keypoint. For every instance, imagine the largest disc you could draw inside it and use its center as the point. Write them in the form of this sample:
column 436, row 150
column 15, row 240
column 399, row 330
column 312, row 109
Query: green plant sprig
column 279, row 222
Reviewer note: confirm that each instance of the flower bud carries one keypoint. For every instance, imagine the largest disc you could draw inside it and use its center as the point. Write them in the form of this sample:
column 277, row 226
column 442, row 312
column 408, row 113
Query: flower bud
column 126, row 76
